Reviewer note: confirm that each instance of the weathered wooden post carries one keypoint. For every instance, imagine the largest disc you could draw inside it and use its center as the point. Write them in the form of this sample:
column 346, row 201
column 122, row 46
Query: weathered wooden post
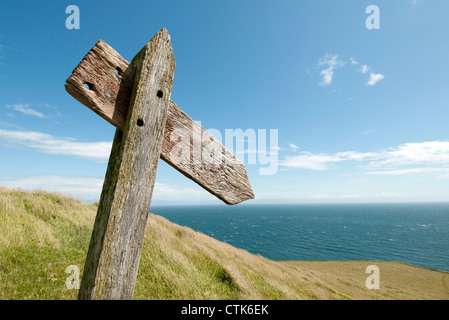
column 136, row 99
column 114, row 252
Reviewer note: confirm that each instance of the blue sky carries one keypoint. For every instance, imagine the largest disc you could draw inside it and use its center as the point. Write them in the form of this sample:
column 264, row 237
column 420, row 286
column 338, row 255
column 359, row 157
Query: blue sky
column 361, row 115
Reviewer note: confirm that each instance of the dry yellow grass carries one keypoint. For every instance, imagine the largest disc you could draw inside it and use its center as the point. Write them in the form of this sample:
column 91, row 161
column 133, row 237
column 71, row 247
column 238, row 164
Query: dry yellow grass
column 43, row 233
column 398, row 280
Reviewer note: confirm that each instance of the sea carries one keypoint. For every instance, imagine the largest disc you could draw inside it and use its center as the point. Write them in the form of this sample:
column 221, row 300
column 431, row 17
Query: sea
column 411, row 233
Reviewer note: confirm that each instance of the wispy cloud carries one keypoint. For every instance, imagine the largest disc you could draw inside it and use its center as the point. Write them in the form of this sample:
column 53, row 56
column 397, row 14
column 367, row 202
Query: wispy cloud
column 167, row 192
column 444, row 171
column 334, row 197
column 364, row 69
column 374, row 78
column 390, row 160
column 353, row 61
column 330, row 63
column 4, row 124
column 322, row 162
column 26, row 110
column 307, row 160
column 46, row 143
column 89, row 189
column 3, row 48
column 83, row 188
column 389, row 195
column 369, row 131
column 431, row 152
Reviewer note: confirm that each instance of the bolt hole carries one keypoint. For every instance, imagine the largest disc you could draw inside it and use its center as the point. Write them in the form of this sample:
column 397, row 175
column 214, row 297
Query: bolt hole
column 140, row 122
column 118, row 71
column 160, row 94
column 89, row 86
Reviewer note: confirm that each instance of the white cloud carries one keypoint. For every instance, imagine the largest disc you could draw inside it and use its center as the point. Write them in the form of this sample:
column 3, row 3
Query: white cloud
column 166, row 192
column 364, row 69
column 428, row 153
column 307, row 160
column 389, row 195
column 322, row 162
column 26, row 110
column 2, row 51
column 409, row 171
column 431, row 152
column 332, row 62
column 89, row 189
column 83, row 188
column 374, row 78
column 353, row 61
column 444, row 175
column 328, row 75
column 334, row 197
column 42, row 142
column 293, row 147
column 369, row 131
column 9, row 125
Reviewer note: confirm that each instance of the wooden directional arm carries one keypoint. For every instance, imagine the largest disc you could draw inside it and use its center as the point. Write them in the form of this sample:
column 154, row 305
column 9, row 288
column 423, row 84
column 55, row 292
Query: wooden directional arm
column 103, row 81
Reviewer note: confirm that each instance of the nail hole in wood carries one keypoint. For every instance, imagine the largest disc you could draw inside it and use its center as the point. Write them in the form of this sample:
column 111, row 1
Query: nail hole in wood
column 140, row 122
column 160, row 94
column 89, row 86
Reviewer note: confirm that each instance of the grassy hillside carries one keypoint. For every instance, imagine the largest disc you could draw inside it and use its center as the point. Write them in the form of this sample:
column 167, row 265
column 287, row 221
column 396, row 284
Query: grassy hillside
column 42, row 234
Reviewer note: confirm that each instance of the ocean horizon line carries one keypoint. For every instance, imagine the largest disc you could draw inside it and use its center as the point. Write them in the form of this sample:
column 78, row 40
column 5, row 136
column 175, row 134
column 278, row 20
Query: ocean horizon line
column 205, row 204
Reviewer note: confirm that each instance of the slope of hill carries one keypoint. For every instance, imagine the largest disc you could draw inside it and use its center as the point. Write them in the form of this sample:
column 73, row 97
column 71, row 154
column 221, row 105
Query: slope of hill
column 44, row 233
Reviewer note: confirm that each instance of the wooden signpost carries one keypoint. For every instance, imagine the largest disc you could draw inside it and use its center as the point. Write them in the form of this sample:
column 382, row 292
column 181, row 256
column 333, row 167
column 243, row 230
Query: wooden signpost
column 135, row 98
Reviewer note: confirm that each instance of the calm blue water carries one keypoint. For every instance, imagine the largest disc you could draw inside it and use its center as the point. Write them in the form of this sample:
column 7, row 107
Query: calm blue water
column 413, row 233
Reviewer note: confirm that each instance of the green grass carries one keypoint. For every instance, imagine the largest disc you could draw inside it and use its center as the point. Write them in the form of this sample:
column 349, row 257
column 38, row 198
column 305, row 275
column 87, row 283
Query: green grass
column 41, row 234
column 44, row 233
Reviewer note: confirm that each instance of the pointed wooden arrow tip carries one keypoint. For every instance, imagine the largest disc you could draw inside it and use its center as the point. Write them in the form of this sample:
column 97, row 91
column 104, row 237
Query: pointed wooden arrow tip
column 163, row 33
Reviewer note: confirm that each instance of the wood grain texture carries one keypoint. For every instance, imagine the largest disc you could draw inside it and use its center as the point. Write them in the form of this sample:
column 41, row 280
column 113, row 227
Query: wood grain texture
column 112, row 261
column 202, row 158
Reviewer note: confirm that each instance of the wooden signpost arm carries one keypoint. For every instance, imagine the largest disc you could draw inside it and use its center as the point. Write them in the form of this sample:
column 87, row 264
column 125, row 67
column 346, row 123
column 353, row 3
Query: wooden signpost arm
column 114, row 252
column 103, row 81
